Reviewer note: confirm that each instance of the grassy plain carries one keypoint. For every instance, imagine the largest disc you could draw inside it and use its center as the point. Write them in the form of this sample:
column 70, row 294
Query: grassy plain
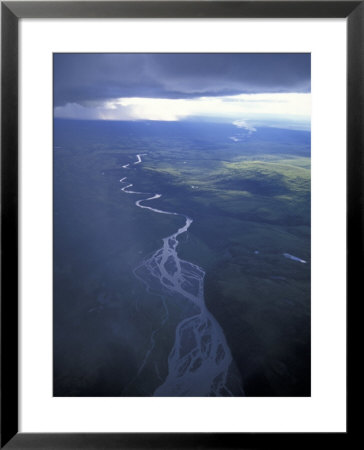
column 250, row 202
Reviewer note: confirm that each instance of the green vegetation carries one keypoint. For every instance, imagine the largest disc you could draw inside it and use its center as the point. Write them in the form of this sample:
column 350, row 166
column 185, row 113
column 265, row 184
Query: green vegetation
column 250, row 203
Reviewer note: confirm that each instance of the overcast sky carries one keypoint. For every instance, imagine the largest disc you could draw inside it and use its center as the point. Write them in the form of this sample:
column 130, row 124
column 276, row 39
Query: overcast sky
column 181, row 86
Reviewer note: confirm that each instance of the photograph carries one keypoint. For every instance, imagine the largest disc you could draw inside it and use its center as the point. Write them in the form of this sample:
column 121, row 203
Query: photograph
column 182, row 224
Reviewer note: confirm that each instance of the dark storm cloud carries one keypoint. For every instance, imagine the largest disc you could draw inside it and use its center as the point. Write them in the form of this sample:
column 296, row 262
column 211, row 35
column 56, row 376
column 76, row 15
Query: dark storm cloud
column 88, row 78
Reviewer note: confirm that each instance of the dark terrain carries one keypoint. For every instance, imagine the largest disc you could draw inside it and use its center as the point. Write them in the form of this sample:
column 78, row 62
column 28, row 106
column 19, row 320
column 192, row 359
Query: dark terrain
column 250, row 203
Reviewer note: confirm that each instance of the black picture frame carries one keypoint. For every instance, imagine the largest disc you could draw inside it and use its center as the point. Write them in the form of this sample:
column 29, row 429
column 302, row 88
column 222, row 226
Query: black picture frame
column 11, row 12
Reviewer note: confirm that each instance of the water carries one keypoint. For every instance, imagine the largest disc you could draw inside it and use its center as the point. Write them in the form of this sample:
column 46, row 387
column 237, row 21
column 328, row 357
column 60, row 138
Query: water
column 200, row 361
